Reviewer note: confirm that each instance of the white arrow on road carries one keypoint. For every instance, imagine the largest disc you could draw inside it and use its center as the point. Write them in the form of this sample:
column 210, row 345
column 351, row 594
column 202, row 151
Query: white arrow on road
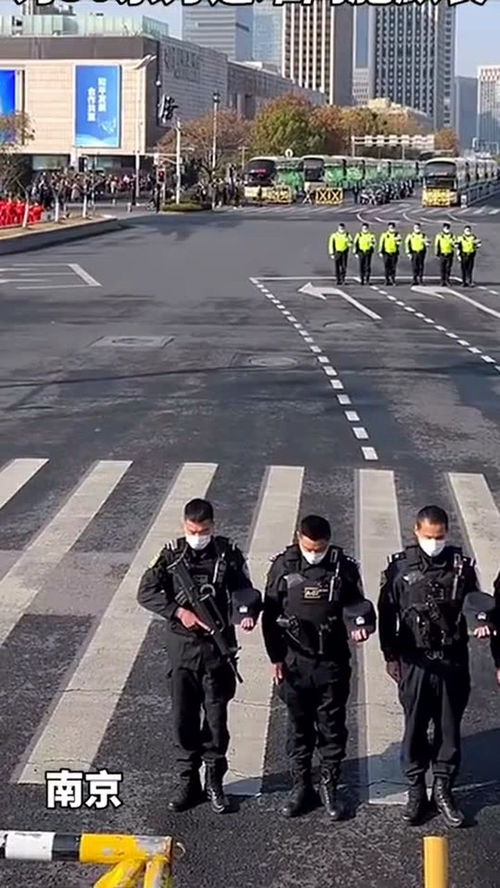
column 448, row 290
column 322, row 292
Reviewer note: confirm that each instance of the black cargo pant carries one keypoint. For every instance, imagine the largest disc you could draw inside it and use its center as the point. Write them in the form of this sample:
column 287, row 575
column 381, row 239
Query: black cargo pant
column 341, row 265
column 437, row 695
column 315, row 693
column 467, row 263
column 365, row 265
column 390, row 265
column 201, row 687
column 417, row 265
column 445, row 264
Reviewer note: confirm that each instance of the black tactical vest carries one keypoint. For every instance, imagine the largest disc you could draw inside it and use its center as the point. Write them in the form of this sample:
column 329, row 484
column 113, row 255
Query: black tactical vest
column 311, row 607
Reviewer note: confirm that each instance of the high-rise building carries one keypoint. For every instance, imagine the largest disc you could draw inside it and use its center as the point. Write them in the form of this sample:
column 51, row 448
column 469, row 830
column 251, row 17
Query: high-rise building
column 227, row 29
column 317, row 42
column 466, row 110
column 268, row 34
column 488, row 109
column 412, row 58
column 361, row 74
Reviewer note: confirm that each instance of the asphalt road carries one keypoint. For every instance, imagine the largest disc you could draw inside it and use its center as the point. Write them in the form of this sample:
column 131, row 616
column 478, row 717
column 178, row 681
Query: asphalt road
column 274, row 401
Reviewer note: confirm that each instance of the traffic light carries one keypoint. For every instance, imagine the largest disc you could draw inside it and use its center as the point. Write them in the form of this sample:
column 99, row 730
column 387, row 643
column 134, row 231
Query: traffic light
column 167, row 109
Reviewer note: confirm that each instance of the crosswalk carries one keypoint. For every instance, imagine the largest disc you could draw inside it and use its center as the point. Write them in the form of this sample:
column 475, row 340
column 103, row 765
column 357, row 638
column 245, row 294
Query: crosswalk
column 83, row 704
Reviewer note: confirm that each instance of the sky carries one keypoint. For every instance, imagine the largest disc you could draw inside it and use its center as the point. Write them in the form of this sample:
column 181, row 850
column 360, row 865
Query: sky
column 478, row 26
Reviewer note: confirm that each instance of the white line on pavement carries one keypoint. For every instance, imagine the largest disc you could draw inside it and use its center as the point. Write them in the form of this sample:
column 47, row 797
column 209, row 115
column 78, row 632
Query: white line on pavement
column 358, row 305
column 95, row 687
column 481, row 521
column 380, row 736
column 15, row 475
column 476, row 304
column 274, row 524
column 23, row 581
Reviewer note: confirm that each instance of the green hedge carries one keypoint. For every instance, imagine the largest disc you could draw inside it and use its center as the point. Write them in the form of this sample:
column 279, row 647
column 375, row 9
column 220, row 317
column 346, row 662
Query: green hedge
column 186, row 207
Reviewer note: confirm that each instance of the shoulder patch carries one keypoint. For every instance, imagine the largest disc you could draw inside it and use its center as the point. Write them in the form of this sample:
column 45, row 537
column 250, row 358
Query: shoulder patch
column 273, row 558
column 397, row 556
column 351, row 560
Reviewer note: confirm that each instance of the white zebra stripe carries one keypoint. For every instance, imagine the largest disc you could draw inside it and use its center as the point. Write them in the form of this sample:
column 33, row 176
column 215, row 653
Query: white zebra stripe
column 15, row 475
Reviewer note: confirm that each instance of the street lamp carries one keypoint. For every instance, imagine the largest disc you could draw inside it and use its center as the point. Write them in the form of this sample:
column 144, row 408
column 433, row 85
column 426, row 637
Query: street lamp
column 216, row 103
column 143, row 64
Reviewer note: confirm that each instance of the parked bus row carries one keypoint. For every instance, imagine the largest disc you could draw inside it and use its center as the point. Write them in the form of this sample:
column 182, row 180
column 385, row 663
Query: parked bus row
column 450, row 181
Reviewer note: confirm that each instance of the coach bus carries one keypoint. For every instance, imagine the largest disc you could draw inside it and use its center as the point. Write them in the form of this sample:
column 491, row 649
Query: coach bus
column 259, row 173
column 445, row 180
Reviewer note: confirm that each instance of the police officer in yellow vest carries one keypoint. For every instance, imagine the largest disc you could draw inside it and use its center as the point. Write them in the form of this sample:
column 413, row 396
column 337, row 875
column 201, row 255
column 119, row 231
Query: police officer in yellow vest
column 467, row 247
column 388, row 247
column 444, row 245
column 338, row 248
column 364, row 247
column 416, row 244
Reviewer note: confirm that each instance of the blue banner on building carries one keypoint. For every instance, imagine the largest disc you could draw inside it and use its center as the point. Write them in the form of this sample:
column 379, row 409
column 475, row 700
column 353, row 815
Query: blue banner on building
column 7, row 91
column 98, row 106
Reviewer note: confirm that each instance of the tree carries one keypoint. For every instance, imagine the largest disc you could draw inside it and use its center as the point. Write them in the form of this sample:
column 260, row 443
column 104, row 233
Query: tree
column 15, row 132
column 330, row 120
column 197, row 139
column 287, row 123
column 446, row 141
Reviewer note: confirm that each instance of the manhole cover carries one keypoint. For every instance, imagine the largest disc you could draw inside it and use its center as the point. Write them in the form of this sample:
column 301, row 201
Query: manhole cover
column 133, row 341
column 275, row 362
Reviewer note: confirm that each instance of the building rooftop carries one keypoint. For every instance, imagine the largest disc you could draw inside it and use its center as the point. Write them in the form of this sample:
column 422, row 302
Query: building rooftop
column 67, row 24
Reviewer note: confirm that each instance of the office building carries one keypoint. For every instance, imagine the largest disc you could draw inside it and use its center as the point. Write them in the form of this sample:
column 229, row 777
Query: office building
column 361, row 74
column 412, row 58
column 466, row 110
column 488, row 122
column 318, row 48
column 268, row 35
column 227, row 29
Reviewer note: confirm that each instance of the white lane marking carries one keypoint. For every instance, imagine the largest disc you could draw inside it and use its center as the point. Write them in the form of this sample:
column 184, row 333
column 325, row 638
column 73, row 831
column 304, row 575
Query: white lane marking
column 345, row 399
column 451, row 335
column 360, row 433
column 487, row 359
column 336, row 384
column 463, row 342
column 359, row 305
column 479, row 305
column 316, row 349
column 275, row 518
column 473, row 350
column 380, row 736
column 330, row 371
column 93, row 690
column 369, row 453
column 481, row 521
column 322, row 359
column 84, row 275
column 15, row 475
column 351, row 416
column 20, row 585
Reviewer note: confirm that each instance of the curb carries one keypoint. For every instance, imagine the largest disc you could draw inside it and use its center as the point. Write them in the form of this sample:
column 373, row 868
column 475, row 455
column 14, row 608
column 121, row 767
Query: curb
column 37, row 240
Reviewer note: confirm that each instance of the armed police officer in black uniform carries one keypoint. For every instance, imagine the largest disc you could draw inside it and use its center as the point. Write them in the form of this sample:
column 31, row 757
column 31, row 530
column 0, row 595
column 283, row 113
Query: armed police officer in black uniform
column 201, row 586
column 424, row 640
column 311, row 588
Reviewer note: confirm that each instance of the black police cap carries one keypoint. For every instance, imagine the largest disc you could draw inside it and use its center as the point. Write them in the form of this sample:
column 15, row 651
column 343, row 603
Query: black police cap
column 361, row 616
column 479, row 609
column 246, row 603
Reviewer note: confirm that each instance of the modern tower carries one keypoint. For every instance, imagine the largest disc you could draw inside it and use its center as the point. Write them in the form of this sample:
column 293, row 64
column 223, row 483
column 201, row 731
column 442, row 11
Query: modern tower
column 317, row 43
column 488, row 122
column 268, row 34
column 227, row 29
column 412, row 58
column 466, row 110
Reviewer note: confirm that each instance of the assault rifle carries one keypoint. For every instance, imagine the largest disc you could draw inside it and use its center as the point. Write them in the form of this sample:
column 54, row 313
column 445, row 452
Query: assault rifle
column 201, row 601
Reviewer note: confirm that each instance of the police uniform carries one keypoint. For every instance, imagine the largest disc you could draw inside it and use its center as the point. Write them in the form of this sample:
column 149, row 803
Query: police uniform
column 303, row 627
column 338, row 248
column 416, row 245
column 444, row 245
column 201, row 678
column 389, row 244
column 364, row 246
column 495, row 639
column 421, row 625
column 467, row 247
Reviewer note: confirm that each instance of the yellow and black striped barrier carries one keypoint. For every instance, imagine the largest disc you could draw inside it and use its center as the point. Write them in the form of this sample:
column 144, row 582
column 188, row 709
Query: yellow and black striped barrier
column 436, row 862
column 437, row 197
column 281, row 195
column 136, row 861
column 332, row 197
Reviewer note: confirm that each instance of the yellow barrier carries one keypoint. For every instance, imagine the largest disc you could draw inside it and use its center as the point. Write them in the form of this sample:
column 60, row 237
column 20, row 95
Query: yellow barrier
column 436, row 862
column 438, row 198
column 135, row 860
column 333, row 197
column 279, row 195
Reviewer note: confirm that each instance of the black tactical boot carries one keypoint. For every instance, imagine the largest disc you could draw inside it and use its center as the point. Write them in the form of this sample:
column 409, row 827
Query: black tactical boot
column 445, row 803
column 189, row 794
column 418, row 804
column 302, row 797
column 215, row 793
column 328, row 794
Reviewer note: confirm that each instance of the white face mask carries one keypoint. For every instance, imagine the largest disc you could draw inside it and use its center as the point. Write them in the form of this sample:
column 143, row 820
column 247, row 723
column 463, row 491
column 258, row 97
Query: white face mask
column 198, row 541
column 432, row 548
column 313, row 557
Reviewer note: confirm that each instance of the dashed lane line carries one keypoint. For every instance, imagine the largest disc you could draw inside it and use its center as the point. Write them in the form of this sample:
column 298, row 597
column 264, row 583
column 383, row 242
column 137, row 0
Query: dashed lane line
column 359, row 431
column 464, row 343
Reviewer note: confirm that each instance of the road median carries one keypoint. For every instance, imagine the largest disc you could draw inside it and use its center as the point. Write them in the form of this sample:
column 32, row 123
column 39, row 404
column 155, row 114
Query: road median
column 45, row 234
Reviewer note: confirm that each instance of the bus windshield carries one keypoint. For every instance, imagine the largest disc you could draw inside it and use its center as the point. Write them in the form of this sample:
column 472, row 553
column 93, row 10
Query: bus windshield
column 260, row 171
column 441, row 169
column 314, row 169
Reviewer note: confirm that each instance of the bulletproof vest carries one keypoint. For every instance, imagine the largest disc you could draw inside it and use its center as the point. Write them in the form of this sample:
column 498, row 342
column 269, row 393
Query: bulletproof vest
column 201, row 572
column 433, row 614
column 311, row 607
